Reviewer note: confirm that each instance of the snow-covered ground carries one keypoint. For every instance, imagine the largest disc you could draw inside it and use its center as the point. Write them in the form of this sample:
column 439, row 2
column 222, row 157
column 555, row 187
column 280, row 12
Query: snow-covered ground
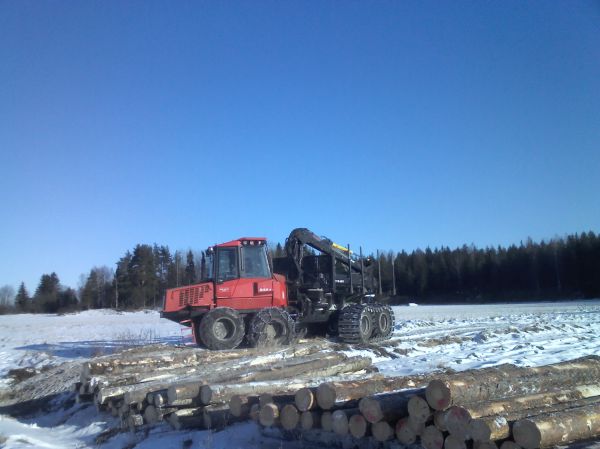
column 426, row 338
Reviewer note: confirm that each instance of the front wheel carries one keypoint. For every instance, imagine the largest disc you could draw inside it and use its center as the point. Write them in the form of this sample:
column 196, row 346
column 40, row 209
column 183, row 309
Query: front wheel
column 221, row 328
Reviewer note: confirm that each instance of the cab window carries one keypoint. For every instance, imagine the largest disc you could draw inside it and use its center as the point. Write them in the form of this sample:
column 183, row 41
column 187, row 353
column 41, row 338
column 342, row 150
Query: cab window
column 254, row 262
column 227, row 264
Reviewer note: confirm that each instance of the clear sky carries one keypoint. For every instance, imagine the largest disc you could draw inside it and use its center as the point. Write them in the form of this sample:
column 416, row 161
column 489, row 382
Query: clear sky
column 389, row 124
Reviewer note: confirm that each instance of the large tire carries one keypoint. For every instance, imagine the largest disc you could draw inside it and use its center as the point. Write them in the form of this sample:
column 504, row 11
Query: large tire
column 384, row 322
column 221, row 328
column 271, row 327
column 355, row 324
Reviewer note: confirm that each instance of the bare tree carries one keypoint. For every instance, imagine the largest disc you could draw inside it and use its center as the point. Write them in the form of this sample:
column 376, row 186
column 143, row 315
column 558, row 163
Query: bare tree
column 7, row 295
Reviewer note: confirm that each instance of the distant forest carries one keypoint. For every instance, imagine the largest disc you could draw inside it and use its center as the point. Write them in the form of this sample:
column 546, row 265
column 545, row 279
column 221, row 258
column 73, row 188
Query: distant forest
column 562, row 268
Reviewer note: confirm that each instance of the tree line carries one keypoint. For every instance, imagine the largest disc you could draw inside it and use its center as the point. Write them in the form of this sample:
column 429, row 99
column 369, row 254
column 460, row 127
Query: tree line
column 561, row 268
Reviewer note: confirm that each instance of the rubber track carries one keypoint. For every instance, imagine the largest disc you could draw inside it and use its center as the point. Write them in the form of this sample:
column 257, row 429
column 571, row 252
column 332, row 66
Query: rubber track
column 349, row 322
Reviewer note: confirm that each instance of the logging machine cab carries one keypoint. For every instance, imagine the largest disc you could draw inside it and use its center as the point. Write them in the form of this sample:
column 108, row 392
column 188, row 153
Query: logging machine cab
column 246, row 258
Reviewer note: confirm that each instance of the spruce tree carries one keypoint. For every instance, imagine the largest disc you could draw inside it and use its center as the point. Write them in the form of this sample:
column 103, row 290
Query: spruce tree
column 46, row 294
column 23, row 300
column 190, row 269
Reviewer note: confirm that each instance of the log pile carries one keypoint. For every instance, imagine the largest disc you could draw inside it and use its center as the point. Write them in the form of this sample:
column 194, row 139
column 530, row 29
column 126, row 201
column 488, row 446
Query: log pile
column 191, row 387
column 310, row 391
column 504, row 407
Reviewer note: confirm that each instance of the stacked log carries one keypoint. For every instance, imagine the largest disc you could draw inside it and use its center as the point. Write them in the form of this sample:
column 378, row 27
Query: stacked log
column 193, row 388
column 308, row 389
column 503, row 407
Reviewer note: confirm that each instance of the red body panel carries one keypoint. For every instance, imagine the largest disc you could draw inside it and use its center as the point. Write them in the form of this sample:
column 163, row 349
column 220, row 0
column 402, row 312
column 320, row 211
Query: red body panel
column 197, row 295
column 245, row 293
column 239, row 294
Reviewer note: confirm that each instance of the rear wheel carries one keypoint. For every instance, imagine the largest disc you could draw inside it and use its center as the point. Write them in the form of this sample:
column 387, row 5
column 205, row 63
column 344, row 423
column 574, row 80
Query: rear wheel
column 384, row 322
column 355, row 324
column 271, row 327
column 221, row 328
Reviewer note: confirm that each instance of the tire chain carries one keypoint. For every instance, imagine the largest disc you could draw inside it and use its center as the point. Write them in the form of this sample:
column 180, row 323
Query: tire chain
column 259, row 321
column 379, row 309
column 349, row 322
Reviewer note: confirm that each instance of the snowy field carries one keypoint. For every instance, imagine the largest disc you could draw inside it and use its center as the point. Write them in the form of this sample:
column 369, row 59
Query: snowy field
column 426, row 338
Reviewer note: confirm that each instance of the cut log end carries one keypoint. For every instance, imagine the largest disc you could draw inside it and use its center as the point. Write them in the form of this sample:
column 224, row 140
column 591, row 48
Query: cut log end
column 457, row 421
column 268, row 415
column 479, row 430
column 370, row 409
column 439, row 420
column 326, row 396
column 404, row 432
column 239, row 406
column 304, row 399
column 310, row 420
column 418, row 409
column 205, row 394
column 339, row 422
column 327, row 421
column 382, row 431
column 357, row 425
column 454, row 442
column 289, row 417
column 432, row 438
column 438, row 395
column 150, row 415
column 526, row 434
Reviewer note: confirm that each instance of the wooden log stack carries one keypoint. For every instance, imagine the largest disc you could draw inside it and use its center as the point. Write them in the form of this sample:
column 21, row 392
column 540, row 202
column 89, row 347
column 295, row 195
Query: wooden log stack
column 191, row 387
column 504, row 407
column 328, row 397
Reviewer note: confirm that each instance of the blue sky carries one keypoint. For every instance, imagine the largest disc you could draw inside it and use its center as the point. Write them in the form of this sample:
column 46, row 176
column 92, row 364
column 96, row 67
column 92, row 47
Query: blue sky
column 393, row 125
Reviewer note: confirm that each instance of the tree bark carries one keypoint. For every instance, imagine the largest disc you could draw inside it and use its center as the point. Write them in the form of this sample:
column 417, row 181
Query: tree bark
column 220, row 393
column 507, row 380
column 187, row 418
column 308, row 366
column 331, row 393
column 217, row 417
column 500, row 425
column 516, row 404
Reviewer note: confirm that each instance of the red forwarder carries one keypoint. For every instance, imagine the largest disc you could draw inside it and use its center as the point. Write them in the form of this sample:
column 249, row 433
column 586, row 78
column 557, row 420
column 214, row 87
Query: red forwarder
column 317, row 286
